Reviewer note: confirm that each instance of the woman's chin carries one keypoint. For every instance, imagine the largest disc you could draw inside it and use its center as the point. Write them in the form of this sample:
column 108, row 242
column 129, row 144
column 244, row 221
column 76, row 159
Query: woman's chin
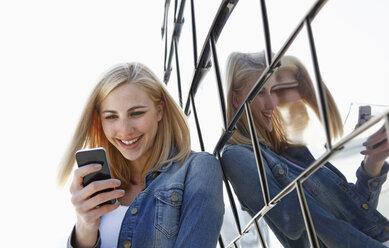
column 269, row 128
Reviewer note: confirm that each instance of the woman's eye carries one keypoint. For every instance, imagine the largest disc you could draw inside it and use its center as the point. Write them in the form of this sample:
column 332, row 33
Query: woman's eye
column 275, row 91
column 110, row 117
column 261, row 93
column 137, row 113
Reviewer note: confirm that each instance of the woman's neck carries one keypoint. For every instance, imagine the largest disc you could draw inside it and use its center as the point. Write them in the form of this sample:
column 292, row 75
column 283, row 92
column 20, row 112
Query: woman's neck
column 136, row 182
column 137, row 173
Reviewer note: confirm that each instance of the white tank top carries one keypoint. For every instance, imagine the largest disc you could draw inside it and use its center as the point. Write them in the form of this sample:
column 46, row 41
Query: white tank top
column 110, row 224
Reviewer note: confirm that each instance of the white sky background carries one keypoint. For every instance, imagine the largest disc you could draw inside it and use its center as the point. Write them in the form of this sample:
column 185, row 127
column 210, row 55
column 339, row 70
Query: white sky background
column 53, row 52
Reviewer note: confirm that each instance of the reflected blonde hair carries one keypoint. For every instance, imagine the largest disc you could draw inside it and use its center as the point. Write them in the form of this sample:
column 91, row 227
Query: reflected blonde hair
column 172, row 141
column 306, row 90
column 240, row 67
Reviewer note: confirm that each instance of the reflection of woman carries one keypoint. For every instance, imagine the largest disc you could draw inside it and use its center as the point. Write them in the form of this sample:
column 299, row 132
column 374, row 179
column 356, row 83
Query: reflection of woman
column 167, row 195
column 297, row 95
column 344, row 214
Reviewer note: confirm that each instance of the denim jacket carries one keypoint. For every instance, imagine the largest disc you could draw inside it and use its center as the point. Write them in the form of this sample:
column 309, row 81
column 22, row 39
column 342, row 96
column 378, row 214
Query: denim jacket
column 180, row 207
column 344, row 214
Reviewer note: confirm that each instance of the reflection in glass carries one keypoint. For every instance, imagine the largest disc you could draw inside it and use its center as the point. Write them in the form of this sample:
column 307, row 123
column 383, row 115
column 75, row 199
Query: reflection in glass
column 331, row 199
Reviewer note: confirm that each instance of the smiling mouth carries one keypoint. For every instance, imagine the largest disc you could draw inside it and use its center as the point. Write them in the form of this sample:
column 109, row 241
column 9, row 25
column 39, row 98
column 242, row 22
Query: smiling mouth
column 130, row 142
column 267, row 115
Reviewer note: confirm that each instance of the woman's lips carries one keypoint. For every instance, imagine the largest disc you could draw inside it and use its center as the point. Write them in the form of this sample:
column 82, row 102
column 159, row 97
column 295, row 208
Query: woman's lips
column 130, row 143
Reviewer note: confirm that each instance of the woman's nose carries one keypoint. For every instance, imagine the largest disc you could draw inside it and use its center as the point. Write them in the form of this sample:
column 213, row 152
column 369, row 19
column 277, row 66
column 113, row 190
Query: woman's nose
column 270, row 101
column 126, row 126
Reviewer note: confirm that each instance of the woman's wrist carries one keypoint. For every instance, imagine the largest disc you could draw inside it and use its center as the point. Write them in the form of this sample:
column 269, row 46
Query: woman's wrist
column 85, row 237
column 372, row 168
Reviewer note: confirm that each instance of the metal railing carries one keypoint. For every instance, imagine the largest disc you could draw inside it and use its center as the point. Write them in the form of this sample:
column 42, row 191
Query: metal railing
column 204, row 62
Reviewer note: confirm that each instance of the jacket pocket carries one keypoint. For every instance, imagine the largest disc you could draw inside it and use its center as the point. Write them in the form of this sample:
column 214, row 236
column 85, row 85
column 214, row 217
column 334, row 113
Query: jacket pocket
column 167, row 216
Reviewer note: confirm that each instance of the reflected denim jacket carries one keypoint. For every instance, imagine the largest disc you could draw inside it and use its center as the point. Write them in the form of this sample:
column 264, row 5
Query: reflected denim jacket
column 180, row 207
column 344, row 214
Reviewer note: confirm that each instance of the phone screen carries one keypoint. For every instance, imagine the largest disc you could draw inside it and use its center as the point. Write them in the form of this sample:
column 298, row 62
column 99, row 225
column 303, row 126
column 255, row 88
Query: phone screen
column 364, row 114
column 95, row 156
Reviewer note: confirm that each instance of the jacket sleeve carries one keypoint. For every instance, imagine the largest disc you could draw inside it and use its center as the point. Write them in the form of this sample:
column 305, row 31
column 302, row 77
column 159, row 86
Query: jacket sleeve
column 286, row 218
column 370, row 187
column 71, row 238
column 203, row 207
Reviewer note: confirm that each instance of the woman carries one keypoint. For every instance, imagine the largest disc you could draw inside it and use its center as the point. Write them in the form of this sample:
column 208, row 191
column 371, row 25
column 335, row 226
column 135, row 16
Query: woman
column 344, row 214
column 167, row 195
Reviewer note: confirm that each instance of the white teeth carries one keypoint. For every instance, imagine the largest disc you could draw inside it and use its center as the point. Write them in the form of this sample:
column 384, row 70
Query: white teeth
column 130, row 142
column 267, row 115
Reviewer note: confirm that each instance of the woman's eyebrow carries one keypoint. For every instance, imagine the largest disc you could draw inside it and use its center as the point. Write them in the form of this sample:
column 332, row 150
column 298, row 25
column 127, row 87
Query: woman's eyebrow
column 108, row 111
column 286, row 85
column 130, row 109
column 137, row 107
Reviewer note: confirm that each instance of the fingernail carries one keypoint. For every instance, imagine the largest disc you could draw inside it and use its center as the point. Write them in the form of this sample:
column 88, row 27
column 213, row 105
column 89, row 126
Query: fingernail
column 97, row 166
column 122, row 191
column 118, row 182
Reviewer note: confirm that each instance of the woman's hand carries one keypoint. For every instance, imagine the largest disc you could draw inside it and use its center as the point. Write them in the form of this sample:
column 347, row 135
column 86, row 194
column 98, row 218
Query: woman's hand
column 87, row 208
column 377, row 151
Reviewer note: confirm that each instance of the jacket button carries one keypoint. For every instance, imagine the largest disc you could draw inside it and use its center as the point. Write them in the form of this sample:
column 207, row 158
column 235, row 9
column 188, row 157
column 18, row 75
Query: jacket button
column 127, row 244
column 281, row 171
column 174, row 197
column 374, row 184
column 344, row 186
column 386, row 228
column 134, row 211
column 365, row 206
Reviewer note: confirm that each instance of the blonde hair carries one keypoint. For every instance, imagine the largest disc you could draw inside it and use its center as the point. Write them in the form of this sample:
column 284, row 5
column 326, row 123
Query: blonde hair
column 240, row 66
column 172, row 141
column 297, row 109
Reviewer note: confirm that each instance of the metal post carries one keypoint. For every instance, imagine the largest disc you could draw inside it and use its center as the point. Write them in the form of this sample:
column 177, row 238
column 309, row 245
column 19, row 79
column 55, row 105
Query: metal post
column 307, row 216
column 219, row 82
column 323, row 106
column 178, row 74
column 265, row 22
column 197, row 122
column 261, row 240
column 258, row 156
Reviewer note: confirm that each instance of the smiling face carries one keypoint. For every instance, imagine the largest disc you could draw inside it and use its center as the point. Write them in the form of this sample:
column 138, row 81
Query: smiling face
column 130, row 121
column 278, row 88
column 264, row 104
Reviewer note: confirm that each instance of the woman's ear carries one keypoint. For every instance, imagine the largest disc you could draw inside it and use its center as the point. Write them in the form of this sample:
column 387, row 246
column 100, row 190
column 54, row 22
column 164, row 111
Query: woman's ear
column 160, row 109
column 235, row 100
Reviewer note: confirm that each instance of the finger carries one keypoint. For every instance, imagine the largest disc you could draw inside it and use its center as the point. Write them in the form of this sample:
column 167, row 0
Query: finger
column 367, row 117
column 94, row 214
column 376, row 137
column 88, row 205
column 96, row 186
column 381, row 143
column 80, row 173
column 100, row 185
column 376, row 148
column 377, row 141
column 104, row 197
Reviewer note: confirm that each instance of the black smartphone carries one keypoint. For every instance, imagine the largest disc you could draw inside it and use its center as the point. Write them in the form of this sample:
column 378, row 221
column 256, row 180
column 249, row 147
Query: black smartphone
column 95, row 156
column 363, row 114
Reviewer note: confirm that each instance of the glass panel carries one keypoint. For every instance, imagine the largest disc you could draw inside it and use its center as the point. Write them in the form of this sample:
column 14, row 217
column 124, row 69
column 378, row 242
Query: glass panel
column 353, row 55
column 250, row 239
column 349, row 159
column 294, row 88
